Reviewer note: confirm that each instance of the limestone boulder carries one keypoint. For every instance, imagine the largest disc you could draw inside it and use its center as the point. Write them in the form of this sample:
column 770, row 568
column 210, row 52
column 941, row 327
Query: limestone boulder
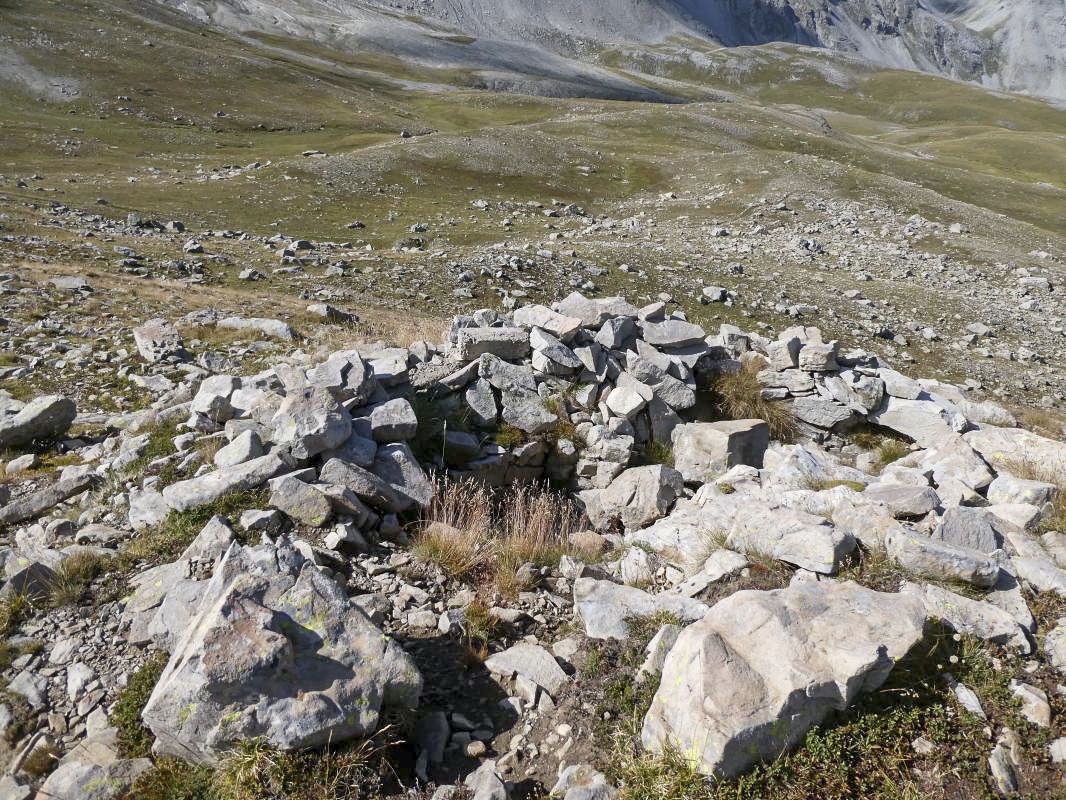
column 44, row 418
column 276, row 651
column 705, row 450
column 637, row 497
column 749, row 680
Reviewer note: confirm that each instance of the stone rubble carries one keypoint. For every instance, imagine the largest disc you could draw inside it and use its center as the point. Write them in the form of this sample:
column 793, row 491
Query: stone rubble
column 285, row 621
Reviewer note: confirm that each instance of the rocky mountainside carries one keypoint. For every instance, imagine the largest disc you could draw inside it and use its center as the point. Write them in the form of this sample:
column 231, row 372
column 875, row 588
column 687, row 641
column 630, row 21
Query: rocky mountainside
column 242, row 588
column 1016, row 46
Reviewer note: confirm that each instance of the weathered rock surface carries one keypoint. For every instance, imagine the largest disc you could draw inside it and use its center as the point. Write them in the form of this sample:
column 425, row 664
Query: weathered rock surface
column 276, row 651
column 748, row 681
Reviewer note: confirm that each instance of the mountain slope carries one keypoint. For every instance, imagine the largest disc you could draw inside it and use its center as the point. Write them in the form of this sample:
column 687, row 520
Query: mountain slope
column 532, row 45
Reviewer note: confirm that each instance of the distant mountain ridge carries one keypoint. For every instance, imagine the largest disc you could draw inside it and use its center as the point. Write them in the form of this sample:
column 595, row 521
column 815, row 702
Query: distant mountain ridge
column 1015, row 45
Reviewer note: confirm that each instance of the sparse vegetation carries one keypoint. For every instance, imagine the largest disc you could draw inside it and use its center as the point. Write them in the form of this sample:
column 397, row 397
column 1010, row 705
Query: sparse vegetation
column 821, row 485
column 490, row 535
column 171, row 779
column 74, row 576
column 509, row 436
column 658, row 453
column 863, row 752
column 134, row 740
column 41, row 760
column 888, row 447
column 738, row 395
column 160, row 444
column 348, row 771
column 167, row 540
column 14, row 608
column 9, row 650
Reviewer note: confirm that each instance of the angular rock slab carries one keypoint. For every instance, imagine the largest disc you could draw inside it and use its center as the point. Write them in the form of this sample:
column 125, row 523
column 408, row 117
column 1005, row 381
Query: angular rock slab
column 748, row 681
column 196, row 492
column 704, row 450
column 604, row 607
column 790, row 535
column 276, row 651
column 636, row 498
column 1009, row 448
column 43, row 418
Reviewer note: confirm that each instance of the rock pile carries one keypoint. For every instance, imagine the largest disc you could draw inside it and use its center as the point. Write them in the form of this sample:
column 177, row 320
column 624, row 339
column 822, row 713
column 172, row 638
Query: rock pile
column 276, row 621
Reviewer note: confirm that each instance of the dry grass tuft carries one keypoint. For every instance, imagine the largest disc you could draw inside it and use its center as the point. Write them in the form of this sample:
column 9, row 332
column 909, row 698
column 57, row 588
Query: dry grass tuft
column 471, row 531
column 1037, row 471
column 14, row 608
column 738, row 395
column 74, row 577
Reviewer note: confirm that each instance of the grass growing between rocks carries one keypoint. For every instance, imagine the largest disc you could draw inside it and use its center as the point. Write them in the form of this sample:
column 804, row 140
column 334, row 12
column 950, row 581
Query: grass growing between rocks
column 166, row 541
column 738, row 395
column 889, row 448
column 864, row 752
column 14, row 608
column 73, row 578
column 475, row 533
column 135, row 740
column 252, row 770
column 160, row 444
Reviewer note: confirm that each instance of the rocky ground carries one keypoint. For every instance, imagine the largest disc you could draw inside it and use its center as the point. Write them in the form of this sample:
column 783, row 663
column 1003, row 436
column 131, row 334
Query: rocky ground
column 282, row 544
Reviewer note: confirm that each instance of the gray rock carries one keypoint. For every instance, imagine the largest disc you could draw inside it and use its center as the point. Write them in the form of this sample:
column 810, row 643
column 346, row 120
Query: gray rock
column 1008, row 489
column 924, row 421
column 147, row 508
column 558, row 325
column 550, row 347
column 93, row 770
column 196, row 492
column 672, row 333
column 974, row 617
column 244, row 447
column 789, row 535
column 931, row 558
column 356, row 449
column 818, row 357
column 310, row 421
column 968, row 527
column 301, row 501
column 705, row 450
column 594, row 312
column 212, row 399
column 368, row 486
column 484, row 783
column 748, row 681
column 36, row 503
column 531, row 661
column 505, row 343
column 636, row 498
column 1055, row 645
column 46, row 417
column 604, row 607
column 394, row 421
column 527, row 412
column 625, row 402
column 346, row 376
column 481, row 402
column 821, row 412
column 1006, row 448
column 902, row 500
column 582, row 782
column 397, row 466
column 275, row 651
column 274, row 328
column 157, row 339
